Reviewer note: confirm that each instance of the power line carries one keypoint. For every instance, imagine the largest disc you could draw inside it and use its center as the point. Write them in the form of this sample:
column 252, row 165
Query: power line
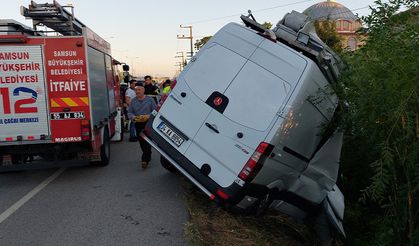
column 280, row 6
column 258, row 10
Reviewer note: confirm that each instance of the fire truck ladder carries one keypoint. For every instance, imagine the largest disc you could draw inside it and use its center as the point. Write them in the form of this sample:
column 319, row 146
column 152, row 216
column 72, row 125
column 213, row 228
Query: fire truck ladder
column 53, row 16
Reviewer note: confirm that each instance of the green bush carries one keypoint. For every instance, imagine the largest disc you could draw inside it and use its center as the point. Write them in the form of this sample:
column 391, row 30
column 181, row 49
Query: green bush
column 380, row 161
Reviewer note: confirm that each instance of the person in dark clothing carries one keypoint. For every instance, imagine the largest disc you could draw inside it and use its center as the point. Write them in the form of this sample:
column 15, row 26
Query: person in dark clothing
column 139, row 112
column 150, row 89
column 129, row 95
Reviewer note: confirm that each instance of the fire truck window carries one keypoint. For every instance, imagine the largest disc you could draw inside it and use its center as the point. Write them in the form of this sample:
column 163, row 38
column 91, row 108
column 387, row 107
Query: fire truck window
column 98, row 83
column 111, row 83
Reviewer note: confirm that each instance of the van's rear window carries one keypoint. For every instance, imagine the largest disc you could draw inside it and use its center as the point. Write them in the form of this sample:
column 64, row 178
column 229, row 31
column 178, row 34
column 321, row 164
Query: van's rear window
column 256, row 95
column 214, row 69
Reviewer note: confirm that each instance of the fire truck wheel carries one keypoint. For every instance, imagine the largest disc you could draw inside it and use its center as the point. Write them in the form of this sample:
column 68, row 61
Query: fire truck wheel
column 167, row 165
column 105, row 149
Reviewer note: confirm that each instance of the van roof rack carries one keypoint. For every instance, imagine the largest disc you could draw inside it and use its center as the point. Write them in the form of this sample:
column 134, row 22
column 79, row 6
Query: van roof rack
column 297, row 31
column 53, row 16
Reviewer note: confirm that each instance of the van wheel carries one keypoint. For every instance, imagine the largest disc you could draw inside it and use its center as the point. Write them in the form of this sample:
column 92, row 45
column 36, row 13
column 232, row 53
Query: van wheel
column 263, row 204
column 105, row 150
column 167, row 165
column 260, row 207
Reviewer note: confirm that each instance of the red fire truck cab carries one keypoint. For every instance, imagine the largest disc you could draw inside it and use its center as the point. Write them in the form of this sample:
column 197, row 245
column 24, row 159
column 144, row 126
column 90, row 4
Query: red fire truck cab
column 59, row 94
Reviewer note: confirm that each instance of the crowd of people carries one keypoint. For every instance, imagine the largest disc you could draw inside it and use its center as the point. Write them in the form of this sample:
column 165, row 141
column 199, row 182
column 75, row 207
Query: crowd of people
column 140, row 99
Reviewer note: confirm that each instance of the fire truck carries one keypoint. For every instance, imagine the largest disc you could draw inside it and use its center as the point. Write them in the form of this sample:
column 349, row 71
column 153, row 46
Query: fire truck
column 59, row 91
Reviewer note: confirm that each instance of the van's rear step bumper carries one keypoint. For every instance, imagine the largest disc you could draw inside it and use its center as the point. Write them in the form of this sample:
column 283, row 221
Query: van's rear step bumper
column 234, row 192
column 155, row 146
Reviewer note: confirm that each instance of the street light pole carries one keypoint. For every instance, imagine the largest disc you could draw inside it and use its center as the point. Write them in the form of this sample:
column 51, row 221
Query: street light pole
column 132, row 62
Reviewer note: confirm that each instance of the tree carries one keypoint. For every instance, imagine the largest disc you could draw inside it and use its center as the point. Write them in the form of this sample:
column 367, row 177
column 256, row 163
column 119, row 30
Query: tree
column 382, row 91
column 326, row 30
column 267, row 25
column 200, row 42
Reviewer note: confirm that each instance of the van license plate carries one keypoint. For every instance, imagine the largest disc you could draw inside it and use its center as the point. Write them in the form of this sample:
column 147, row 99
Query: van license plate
column 173, row 136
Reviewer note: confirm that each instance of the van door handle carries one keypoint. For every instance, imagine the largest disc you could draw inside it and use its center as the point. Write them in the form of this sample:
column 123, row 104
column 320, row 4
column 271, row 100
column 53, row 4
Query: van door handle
column 175, row 99
column 211, row 127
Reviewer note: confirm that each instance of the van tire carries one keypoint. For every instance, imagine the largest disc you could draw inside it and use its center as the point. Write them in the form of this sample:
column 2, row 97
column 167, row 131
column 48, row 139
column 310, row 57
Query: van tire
column 167, row 165
column 260, row 207
column 105, row 150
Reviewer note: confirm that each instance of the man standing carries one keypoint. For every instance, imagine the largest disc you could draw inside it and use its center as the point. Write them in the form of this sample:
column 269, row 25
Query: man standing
column 139, row 112
column 166, row 87
column 129, row 95
column 150, row 89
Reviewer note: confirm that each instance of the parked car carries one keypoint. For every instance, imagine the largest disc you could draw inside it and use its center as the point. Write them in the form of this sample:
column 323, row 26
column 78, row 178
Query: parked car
column 250, row 120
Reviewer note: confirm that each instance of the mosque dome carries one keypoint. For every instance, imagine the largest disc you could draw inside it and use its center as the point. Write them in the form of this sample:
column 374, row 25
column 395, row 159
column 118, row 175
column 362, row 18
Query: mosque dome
column 329, row 10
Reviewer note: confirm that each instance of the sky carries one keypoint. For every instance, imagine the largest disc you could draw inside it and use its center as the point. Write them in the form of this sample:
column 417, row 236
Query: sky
column 144, row 33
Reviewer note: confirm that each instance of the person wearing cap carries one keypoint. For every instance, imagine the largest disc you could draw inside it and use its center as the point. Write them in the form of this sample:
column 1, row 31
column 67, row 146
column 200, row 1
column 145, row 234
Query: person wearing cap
column 139, row 112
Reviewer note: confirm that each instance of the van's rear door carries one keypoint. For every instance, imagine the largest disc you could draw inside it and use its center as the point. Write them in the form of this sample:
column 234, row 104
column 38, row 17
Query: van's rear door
column 254, row 98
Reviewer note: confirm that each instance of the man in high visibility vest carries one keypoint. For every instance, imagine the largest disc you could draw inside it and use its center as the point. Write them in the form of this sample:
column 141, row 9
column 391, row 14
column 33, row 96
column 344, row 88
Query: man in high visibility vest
column 166, row 87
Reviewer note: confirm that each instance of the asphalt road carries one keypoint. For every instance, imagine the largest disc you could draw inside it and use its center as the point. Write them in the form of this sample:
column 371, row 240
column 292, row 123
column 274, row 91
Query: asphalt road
column 120, row 204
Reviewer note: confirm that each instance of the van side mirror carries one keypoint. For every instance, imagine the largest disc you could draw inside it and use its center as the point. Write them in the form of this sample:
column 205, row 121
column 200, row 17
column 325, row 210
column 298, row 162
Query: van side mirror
column 125, row 68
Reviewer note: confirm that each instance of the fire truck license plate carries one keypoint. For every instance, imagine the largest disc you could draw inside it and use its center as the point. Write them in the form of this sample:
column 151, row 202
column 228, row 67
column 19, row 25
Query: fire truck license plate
column 173, row 136
column 67, row 115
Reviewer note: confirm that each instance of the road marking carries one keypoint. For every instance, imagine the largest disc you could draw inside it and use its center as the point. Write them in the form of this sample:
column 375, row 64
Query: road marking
column 27, row 197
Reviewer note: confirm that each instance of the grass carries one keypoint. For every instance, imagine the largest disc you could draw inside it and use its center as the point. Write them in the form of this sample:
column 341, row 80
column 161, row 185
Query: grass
column 212, row 225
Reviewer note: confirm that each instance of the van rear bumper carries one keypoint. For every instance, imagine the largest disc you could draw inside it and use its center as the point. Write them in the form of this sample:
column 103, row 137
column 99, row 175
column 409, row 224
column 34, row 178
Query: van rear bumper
column 234, row 192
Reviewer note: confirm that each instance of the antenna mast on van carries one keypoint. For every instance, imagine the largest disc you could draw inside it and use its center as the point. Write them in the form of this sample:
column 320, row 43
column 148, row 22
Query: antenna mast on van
column 53, row 16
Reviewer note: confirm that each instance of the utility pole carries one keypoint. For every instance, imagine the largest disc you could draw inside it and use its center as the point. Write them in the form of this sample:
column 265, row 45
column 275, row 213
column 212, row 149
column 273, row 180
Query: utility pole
column 132, row 59
column 181, row 55
column 179, row 64
column 190, row 37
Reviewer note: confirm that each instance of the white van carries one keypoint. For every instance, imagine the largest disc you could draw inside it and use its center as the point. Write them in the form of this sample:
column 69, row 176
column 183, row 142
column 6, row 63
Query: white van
column 250, row 120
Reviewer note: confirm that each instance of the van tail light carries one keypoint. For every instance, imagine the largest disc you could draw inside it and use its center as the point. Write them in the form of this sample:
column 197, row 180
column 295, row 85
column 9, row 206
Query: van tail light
column 163, row 99
column 85, row 130
column 255, row 163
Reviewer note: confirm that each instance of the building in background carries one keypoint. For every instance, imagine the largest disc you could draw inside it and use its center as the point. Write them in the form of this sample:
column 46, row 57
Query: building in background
column 347, row 23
